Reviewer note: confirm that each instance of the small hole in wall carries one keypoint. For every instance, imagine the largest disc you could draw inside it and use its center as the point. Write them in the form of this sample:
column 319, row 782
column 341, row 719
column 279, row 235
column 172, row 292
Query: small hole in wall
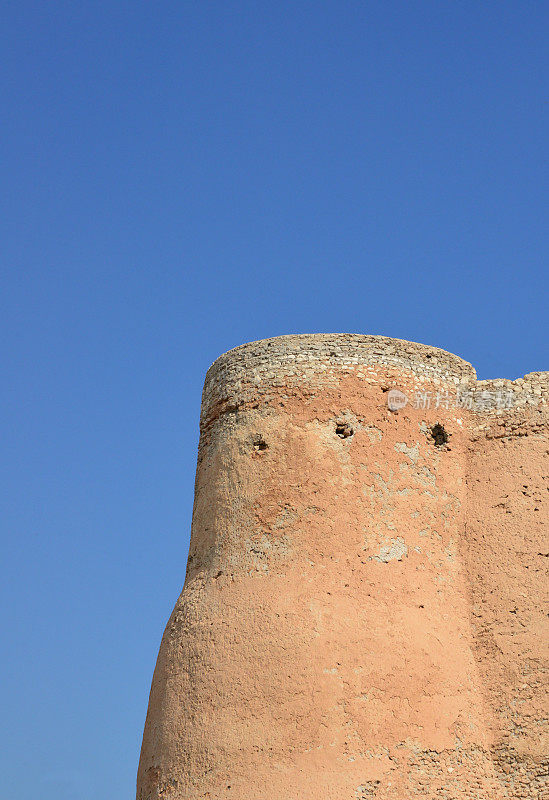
column 344, row 430
column 439, row 435
column 259, row 443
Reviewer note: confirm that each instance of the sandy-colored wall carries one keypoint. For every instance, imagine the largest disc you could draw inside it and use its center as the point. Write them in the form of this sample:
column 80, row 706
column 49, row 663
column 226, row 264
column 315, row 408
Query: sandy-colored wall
column 506, row 550
column 327, row 641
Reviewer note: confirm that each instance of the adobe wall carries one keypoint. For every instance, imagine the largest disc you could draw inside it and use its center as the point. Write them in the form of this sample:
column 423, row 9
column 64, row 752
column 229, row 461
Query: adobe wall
column 506, row 546
column 333, row 635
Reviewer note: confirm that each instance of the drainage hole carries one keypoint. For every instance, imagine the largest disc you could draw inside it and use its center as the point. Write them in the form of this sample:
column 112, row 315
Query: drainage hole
column 259, row 442
column 344, row 430
column 439, row 435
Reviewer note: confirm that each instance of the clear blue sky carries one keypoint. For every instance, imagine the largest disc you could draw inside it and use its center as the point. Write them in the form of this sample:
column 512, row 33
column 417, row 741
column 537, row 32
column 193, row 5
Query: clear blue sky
column 182, row 177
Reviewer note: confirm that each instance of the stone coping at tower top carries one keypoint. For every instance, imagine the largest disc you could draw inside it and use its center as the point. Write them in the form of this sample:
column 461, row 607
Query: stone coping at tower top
column 254, row 367
column 282, row 358
column 340, row 349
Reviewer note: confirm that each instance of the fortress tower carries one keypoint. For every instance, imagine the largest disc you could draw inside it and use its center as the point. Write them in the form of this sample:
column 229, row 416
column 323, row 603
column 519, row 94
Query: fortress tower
column 362, row 611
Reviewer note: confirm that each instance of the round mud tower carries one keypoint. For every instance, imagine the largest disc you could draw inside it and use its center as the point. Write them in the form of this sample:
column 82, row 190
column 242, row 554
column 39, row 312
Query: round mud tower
column 322, row 646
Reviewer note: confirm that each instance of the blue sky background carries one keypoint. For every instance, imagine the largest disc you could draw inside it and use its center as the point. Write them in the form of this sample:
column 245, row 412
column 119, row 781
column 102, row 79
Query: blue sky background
column 182, row 177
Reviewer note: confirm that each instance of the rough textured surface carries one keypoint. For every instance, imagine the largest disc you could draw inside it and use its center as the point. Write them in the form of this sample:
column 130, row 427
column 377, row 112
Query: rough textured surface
column 362, row 612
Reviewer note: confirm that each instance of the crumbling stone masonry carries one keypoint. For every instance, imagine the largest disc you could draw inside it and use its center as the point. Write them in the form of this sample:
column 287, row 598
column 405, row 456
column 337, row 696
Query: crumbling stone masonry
column 363, row 612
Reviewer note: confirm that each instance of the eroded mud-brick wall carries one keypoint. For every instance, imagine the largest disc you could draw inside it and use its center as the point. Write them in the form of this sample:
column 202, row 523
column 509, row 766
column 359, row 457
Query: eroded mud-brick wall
column 506, row 548
column 342, row 632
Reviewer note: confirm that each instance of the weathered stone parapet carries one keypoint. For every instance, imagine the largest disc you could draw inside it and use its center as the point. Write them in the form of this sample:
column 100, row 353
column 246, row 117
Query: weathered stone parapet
column 316, row 360
column 256, row 372
column 530, row 391
column 503, row 408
